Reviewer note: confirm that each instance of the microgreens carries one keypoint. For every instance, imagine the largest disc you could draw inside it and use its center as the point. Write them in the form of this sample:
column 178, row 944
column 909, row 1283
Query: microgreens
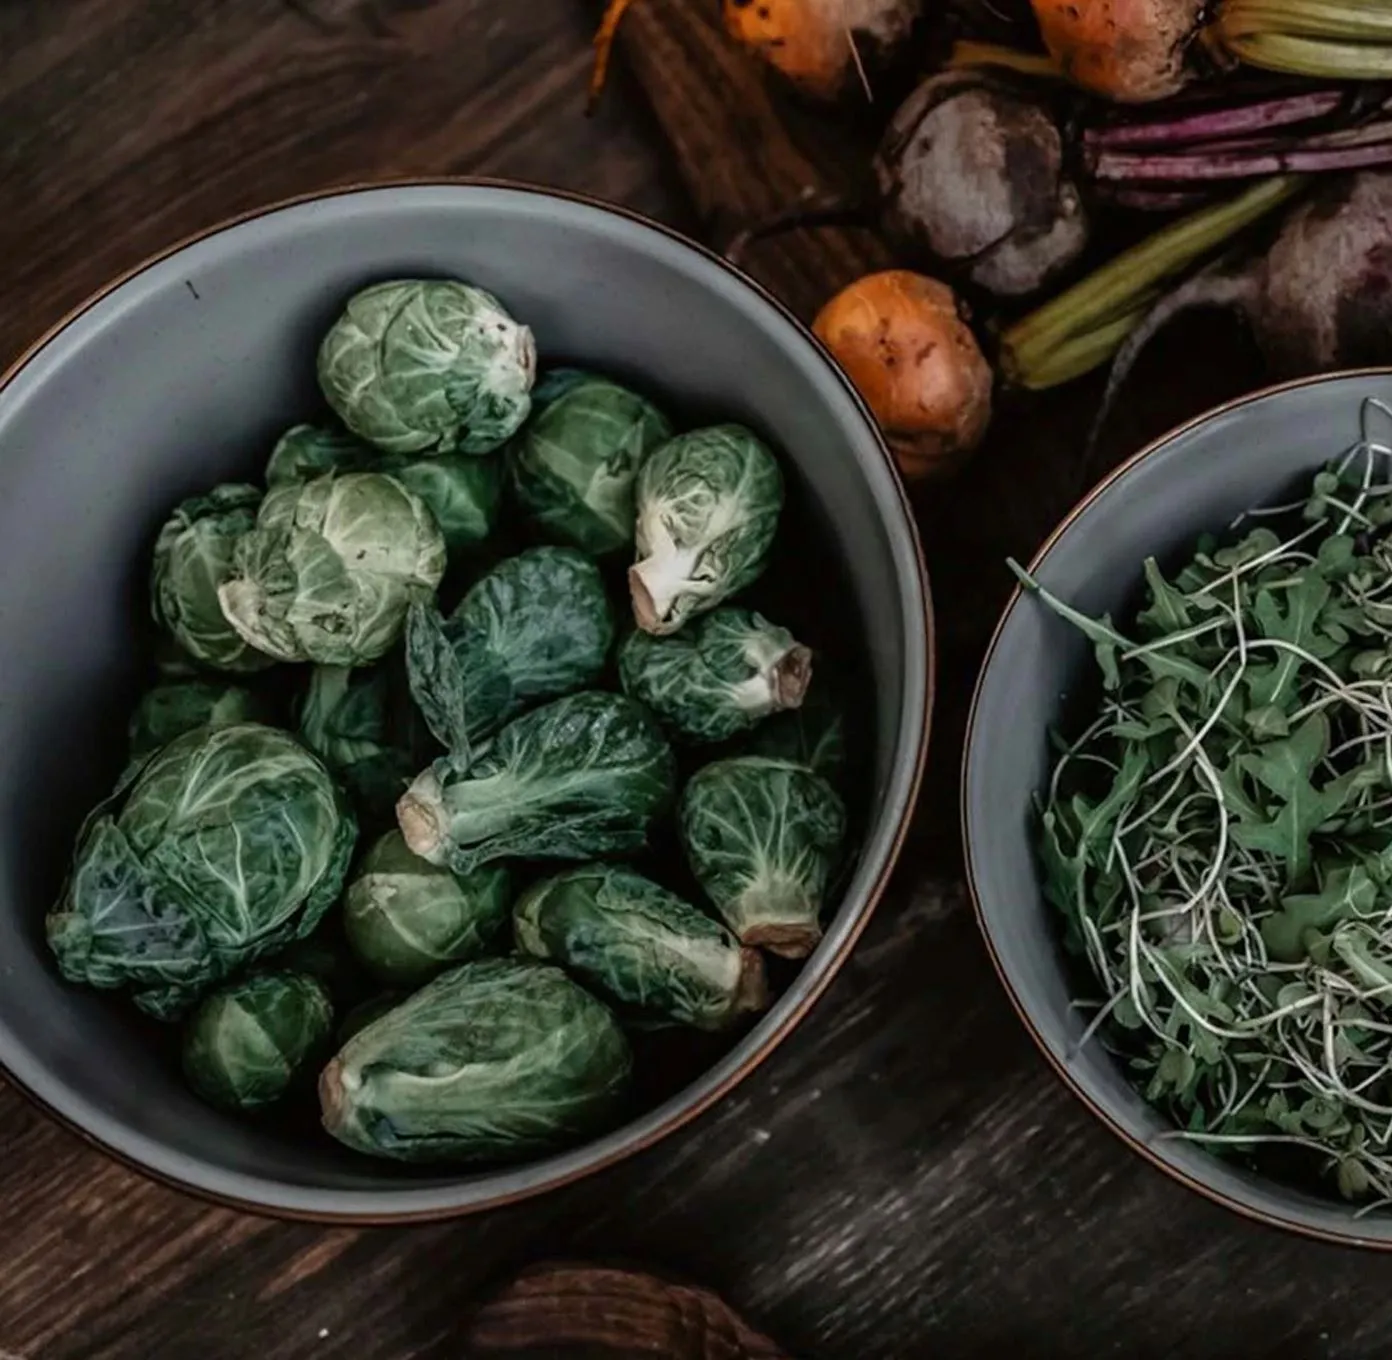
column 1218, row 840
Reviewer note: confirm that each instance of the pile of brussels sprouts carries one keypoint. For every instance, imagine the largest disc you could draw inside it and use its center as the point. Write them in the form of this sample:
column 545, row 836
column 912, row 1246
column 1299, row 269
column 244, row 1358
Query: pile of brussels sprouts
column 341, row 819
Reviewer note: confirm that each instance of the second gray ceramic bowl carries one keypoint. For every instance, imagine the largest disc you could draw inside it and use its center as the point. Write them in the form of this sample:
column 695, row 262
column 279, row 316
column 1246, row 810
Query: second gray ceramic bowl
column 1250, row 453
column 181, row 376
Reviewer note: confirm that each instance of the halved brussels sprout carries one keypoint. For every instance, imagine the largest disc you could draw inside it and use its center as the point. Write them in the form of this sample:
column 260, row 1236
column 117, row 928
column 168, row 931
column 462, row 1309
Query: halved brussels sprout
column 495, row 1060
column 536, row 626
column 331, row 569
column 194, row 557
column 229, row 843
column 574, row 464
column 408, row 919
column 428, row 366
column 727, row 671
column 761, row 837
column 249, row 1042
column 708, row 504
column 641, row 945
column 586, row 775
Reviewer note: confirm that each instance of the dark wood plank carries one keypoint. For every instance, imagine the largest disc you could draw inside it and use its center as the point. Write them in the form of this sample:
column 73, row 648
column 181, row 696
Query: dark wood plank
column 902, row 1178
column 128, row 125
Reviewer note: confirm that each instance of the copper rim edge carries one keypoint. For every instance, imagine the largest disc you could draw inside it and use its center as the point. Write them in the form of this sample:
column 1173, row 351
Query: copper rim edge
column 1133, row 1143
column 877, row 890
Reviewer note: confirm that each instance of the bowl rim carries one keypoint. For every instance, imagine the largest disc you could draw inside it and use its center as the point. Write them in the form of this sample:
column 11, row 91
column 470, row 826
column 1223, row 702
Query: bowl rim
column 687, row 1113
column 1117, row 474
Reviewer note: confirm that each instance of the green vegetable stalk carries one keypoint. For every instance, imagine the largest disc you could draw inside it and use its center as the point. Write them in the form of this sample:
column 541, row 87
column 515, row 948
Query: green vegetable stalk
column 1084, row 326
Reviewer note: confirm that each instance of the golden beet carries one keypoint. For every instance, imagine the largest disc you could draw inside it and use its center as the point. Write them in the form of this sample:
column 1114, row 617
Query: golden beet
column 818, row 44
column 902, row 340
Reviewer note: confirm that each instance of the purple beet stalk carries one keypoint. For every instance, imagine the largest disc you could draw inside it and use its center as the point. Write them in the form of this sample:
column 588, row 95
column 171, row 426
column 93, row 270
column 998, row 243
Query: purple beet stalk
column 1310, row 132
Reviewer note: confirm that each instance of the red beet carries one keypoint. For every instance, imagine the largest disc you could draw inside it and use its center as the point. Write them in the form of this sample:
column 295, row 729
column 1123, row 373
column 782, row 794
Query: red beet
column 1319, row 298
column 971, row 173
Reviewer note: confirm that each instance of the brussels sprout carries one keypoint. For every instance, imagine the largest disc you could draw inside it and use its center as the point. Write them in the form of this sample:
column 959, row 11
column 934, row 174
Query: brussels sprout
column 331, row 568
column 536, row 626
column 248, row 1042
column 728, row 671
column 641, row 945
column 574, row 463
column 230, row 843
column 814, row 734
column 428, row 366
column 495, row 1060
column 170, row 710
column 193, row 558
column 407, row 919
column 586, row 775
column 707, row 510
column 361, row 723
column 761, row 836
column 462, row 491
column 305, row 452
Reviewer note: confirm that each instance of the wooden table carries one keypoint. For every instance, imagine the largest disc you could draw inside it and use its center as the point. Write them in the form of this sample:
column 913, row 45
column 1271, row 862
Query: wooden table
column 903, row 1178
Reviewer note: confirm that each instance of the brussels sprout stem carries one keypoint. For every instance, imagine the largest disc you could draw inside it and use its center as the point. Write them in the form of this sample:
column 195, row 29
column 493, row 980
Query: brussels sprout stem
column 654, row 583
column 751, row 991
column 775, row 914
column 418, row 814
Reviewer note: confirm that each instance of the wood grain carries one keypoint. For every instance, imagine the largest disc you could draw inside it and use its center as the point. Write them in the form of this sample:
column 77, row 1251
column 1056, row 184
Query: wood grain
column 902, row 1178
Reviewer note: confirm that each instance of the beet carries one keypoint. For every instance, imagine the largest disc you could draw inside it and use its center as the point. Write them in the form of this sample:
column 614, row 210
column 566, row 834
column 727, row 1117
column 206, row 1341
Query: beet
column 904, row 340
column 1318, row 298
column 971, row 173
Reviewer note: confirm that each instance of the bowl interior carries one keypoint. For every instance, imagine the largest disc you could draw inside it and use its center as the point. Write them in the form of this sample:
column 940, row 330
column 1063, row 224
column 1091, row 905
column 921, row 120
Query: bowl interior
column 1200, row 478
column 182, row 377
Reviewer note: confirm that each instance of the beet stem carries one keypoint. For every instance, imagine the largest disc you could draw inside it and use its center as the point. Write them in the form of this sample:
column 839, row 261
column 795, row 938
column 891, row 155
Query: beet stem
column 966, row 54
column 1298, row 159
column 1075, row 357
column 1220, row 284
column 1304, row 56
column 1216, row 123
column 1144, row 198
column 1116, row 289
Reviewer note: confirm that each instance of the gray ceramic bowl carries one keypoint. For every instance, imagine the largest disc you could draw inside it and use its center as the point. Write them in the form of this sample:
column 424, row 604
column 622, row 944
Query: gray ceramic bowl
column 180, row 375
column 1197, row 478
